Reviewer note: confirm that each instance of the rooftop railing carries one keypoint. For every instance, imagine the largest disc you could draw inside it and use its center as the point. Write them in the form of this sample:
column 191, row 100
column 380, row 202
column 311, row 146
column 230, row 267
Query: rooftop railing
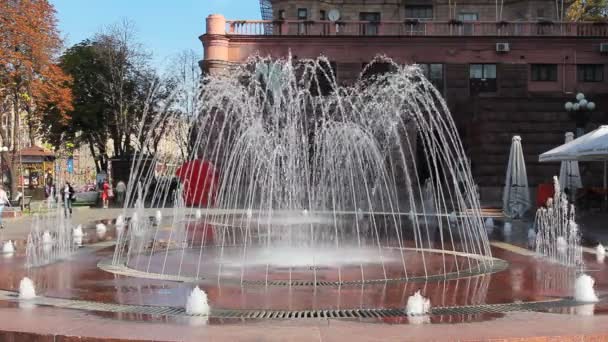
column 414, row 28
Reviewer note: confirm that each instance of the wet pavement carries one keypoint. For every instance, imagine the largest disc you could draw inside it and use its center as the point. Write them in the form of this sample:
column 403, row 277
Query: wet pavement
column 526, row 279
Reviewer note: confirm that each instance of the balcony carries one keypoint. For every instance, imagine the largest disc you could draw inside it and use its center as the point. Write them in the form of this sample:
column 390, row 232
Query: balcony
column 414, row 28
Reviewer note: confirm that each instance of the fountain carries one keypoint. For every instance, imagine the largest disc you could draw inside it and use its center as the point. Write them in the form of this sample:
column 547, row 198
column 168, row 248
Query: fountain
column 51, row 238
column 26, row 289
column 197, row 303
column 583, row 289
column 558, row 237
column 312, row 187
column 418, row 305
column 8, row 247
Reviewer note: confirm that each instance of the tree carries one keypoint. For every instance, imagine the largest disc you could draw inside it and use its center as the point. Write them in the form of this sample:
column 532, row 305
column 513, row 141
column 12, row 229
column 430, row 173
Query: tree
column 118, row 99
column 588, row 10
column 185, row 74
column 30, row 81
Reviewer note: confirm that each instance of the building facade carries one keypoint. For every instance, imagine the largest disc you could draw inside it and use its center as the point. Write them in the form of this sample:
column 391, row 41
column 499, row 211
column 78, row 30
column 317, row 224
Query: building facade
column 429, row 10
column 503, row 70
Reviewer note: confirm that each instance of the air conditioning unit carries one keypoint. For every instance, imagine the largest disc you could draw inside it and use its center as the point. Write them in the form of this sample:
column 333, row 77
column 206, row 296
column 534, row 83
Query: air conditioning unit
column 502, row 47
column 604, row 48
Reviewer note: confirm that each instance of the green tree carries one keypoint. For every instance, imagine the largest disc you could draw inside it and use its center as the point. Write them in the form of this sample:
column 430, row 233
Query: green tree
column 588, row 10
column 118, row 99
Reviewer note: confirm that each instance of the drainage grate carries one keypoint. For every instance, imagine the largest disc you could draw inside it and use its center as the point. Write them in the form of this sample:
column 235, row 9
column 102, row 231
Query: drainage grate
column 286, row 314
column 497, row 265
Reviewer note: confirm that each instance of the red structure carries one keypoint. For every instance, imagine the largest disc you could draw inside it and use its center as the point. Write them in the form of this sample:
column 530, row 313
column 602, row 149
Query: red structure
column 499, row 78
column 200, row 180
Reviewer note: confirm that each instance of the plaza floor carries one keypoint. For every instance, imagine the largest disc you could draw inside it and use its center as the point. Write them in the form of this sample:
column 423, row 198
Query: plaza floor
column 67, row 290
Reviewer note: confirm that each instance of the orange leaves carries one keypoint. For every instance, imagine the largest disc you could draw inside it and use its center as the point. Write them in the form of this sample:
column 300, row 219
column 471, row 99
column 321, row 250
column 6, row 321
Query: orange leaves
column 29, row 44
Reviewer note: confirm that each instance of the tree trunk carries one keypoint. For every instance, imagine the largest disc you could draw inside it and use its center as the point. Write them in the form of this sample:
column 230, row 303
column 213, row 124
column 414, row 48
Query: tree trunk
column 95, row 159
column 13, row 163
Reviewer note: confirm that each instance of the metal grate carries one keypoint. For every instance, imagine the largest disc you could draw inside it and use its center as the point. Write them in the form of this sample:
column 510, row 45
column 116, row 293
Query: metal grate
column 497, row 265
column 286, row 314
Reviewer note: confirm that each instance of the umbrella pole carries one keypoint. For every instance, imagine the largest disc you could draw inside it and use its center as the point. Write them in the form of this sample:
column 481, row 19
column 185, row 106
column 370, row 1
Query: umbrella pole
column 605, row 185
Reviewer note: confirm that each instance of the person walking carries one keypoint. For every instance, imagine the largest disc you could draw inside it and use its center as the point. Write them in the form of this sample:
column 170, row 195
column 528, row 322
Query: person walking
column 4, row 201
column 121, row 189
column 68, row 196
column 105, row 194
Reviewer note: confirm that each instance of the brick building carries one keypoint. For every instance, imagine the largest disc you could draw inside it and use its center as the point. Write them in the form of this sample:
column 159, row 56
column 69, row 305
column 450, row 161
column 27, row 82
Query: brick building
column 503, row 70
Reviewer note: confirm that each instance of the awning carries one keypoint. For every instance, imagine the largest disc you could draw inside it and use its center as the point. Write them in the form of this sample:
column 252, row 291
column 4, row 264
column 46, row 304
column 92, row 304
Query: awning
column 592, row 146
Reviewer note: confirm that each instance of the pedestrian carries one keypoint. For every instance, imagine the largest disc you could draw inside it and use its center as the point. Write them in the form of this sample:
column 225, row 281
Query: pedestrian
column 3, row 202
column 105, row 194
column 68, row 196
column 51, row 196
column 121, row 189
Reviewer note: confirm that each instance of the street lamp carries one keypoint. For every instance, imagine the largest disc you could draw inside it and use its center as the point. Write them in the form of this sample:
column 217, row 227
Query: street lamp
column 3, row 149
column 580, row 109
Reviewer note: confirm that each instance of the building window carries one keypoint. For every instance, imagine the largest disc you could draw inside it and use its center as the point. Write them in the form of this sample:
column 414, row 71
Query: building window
column 468, row 16
column 322, row 15
column 482, row 78
column 302, row 15
column 281, row 14
column 419, row 12
column 590, row 72
column 540, row 13
column 371, row 28
column 544, row 72
column 434, row 73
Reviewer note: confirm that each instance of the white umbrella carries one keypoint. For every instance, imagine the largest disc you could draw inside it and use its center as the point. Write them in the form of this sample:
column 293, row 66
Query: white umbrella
column 569, row 174
column 592, row 146
column 516, row 195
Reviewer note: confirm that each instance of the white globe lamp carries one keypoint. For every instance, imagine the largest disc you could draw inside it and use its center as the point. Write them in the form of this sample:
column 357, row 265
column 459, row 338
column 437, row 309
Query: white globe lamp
column 568, row 106
column 580, row 96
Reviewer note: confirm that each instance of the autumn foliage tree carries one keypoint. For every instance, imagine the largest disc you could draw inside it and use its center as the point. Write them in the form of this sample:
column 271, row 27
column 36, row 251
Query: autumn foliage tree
column 31, row 83
column 588, row 10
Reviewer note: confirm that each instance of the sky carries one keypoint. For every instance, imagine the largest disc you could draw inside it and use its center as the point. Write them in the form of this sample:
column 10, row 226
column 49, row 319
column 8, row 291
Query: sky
column 164, row 27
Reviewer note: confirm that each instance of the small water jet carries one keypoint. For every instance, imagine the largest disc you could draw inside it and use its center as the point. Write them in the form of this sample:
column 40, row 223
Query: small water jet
column 453, row 217
column 78, row 232
column 197, row 303
column 158, row 218
column 101, row 228
column 8, row 247
column 561, row 244
column 600, row 249
column 507, row 228
column 489, row 223
column 583, row 289
column 417, row 305
column 120, row 222
column 600, row 253
column 558, row 236
column 50, row 238
column 27, row 289
column 47, row 239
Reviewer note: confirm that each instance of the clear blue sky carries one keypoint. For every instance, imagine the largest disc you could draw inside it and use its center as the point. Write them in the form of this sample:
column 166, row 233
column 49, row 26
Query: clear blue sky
column 164, row 27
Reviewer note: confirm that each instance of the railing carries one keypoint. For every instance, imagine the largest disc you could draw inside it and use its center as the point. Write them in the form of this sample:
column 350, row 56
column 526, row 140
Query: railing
column 414, row 28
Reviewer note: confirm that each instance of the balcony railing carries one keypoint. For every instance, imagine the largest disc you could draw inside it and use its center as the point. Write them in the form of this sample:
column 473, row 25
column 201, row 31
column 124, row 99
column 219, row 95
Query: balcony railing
column 414, row 28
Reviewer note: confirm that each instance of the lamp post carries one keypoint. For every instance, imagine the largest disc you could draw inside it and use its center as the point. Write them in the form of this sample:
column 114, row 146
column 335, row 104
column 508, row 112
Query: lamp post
column 3, row 150
column 580, row 110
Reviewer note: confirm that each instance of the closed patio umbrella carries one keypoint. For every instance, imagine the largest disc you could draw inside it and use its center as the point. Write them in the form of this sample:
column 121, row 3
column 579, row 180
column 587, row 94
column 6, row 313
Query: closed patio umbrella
column 516, row 195
column 569, row 174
